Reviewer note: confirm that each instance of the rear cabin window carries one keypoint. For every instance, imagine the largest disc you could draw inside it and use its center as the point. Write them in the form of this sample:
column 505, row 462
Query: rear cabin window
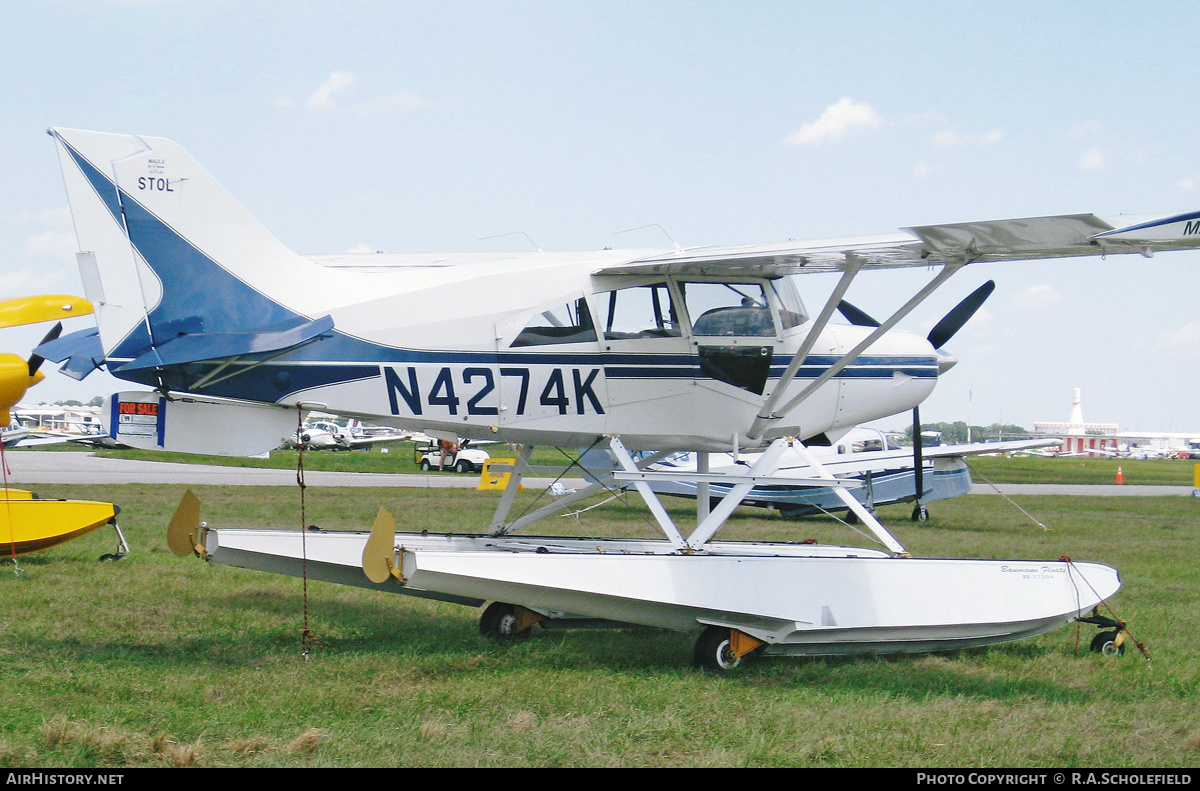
column 728, row 309
column 639, row 312
column 569, row 323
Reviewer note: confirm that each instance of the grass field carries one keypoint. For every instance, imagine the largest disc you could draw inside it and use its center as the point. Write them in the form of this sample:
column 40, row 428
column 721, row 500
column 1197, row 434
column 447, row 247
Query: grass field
column 161, row 661
column 997, row 469
column 1032, row 469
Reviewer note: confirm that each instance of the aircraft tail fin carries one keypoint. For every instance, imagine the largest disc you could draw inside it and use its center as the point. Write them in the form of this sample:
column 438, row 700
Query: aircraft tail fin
column 166, row 251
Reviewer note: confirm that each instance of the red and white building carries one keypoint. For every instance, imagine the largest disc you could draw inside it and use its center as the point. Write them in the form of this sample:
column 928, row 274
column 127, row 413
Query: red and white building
column 1080, row 437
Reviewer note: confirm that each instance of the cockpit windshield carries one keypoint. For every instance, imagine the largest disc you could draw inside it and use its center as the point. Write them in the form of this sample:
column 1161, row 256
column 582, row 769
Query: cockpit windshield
column 791, row 309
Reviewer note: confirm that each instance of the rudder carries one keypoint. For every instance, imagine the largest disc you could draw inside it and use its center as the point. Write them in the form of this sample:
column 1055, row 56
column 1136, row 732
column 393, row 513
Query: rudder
column 167, row 251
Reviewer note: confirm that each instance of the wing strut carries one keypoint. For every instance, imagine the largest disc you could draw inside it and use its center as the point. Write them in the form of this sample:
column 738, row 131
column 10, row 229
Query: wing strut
column 767, row 464
column 630, row 472
column 853, row 266
column 625, row 461
column 865, row 516
column 605, row 482
column 771, row 413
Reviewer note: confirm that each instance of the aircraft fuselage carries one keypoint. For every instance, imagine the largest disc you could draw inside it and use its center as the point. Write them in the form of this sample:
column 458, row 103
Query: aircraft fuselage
column 661, row 361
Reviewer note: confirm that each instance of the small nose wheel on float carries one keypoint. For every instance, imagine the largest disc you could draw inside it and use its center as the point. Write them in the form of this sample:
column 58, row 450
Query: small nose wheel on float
column 503, row 621
column 723, row 649
column 1110, row 642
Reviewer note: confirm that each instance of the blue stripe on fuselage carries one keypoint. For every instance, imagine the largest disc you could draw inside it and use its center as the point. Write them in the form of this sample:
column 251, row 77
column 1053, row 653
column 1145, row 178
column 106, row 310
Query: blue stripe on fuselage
column 282, row 377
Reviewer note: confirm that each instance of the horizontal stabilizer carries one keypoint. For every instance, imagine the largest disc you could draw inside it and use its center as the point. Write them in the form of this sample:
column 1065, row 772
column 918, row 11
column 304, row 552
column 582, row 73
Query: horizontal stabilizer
column 81, row 350
column 184, row 424
column 201, row 347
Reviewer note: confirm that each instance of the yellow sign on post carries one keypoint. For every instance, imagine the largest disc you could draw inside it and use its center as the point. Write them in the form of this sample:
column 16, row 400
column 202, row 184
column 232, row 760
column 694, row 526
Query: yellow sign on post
column 496, row 481
column 1196, row 481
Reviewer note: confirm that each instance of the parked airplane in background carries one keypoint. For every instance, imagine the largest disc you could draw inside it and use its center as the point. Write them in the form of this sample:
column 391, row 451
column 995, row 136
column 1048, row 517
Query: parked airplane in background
column 55, row 425
column 704, row 349
column 322, row 432
column 883, row 471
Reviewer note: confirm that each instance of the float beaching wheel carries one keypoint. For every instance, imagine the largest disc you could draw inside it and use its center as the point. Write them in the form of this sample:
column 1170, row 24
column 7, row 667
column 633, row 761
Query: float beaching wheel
column 714, row 650
column 502, row 621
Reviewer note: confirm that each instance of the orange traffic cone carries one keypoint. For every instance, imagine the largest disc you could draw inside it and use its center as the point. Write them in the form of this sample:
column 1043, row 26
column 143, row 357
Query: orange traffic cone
column 1120, row 476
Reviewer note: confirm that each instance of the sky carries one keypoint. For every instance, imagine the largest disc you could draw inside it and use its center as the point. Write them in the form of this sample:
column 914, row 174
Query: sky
column 440, row 126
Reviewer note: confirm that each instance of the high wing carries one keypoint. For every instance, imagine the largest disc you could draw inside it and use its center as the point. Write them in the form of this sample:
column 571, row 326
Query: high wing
column 980, row 448
column 1031, row 238
column 346, row 442
column 949, row 246
column 877, row 460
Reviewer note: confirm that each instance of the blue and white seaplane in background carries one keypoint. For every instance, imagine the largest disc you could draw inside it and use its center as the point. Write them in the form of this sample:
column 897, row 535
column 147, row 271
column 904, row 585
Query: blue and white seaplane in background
column 880, row 472
column 707, row 350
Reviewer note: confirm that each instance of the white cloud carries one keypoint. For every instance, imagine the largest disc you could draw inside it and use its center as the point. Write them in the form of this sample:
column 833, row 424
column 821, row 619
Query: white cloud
column 1187, row 335
column 950, row 138
column 30, row 281
column 323, row 97
column 1037, row 298
column 330, row 97
column 60, row 216
column 55, row 243
column 839, row 120
column 1094, row 158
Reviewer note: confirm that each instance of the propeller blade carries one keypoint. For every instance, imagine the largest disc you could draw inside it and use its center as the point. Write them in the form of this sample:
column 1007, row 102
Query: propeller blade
column 953, row 321
column 36, row 360
column 855, row 316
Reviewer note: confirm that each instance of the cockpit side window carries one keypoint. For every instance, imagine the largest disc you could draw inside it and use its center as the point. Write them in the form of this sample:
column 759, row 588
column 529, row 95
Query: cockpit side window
column 639, row 312
column 569, row 323
column 728, row 309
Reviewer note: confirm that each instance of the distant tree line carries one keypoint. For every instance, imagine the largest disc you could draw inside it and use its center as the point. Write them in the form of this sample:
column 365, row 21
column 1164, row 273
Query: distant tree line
column 956, row 432
column 96, row 401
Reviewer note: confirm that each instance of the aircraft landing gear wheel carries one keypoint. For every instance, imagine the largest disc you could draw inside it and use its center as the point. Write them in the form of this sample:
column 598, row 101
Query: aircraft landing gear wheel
column 852, row 517
column 920, row 513
column 500, row 622
column 714, row 650
column 1106, row 643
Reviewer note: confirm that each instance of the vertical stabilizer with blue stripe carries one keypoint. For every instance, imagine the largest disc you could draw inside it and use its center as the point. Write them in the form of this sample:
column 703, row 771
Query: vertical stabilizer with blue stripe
column 178, row 270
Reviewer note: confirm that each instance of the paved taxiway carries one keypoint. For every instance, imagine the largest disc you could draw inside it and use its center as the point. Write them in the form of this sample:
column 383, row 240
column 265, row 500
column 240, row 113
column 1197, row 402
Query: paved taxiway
column 31, row 467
